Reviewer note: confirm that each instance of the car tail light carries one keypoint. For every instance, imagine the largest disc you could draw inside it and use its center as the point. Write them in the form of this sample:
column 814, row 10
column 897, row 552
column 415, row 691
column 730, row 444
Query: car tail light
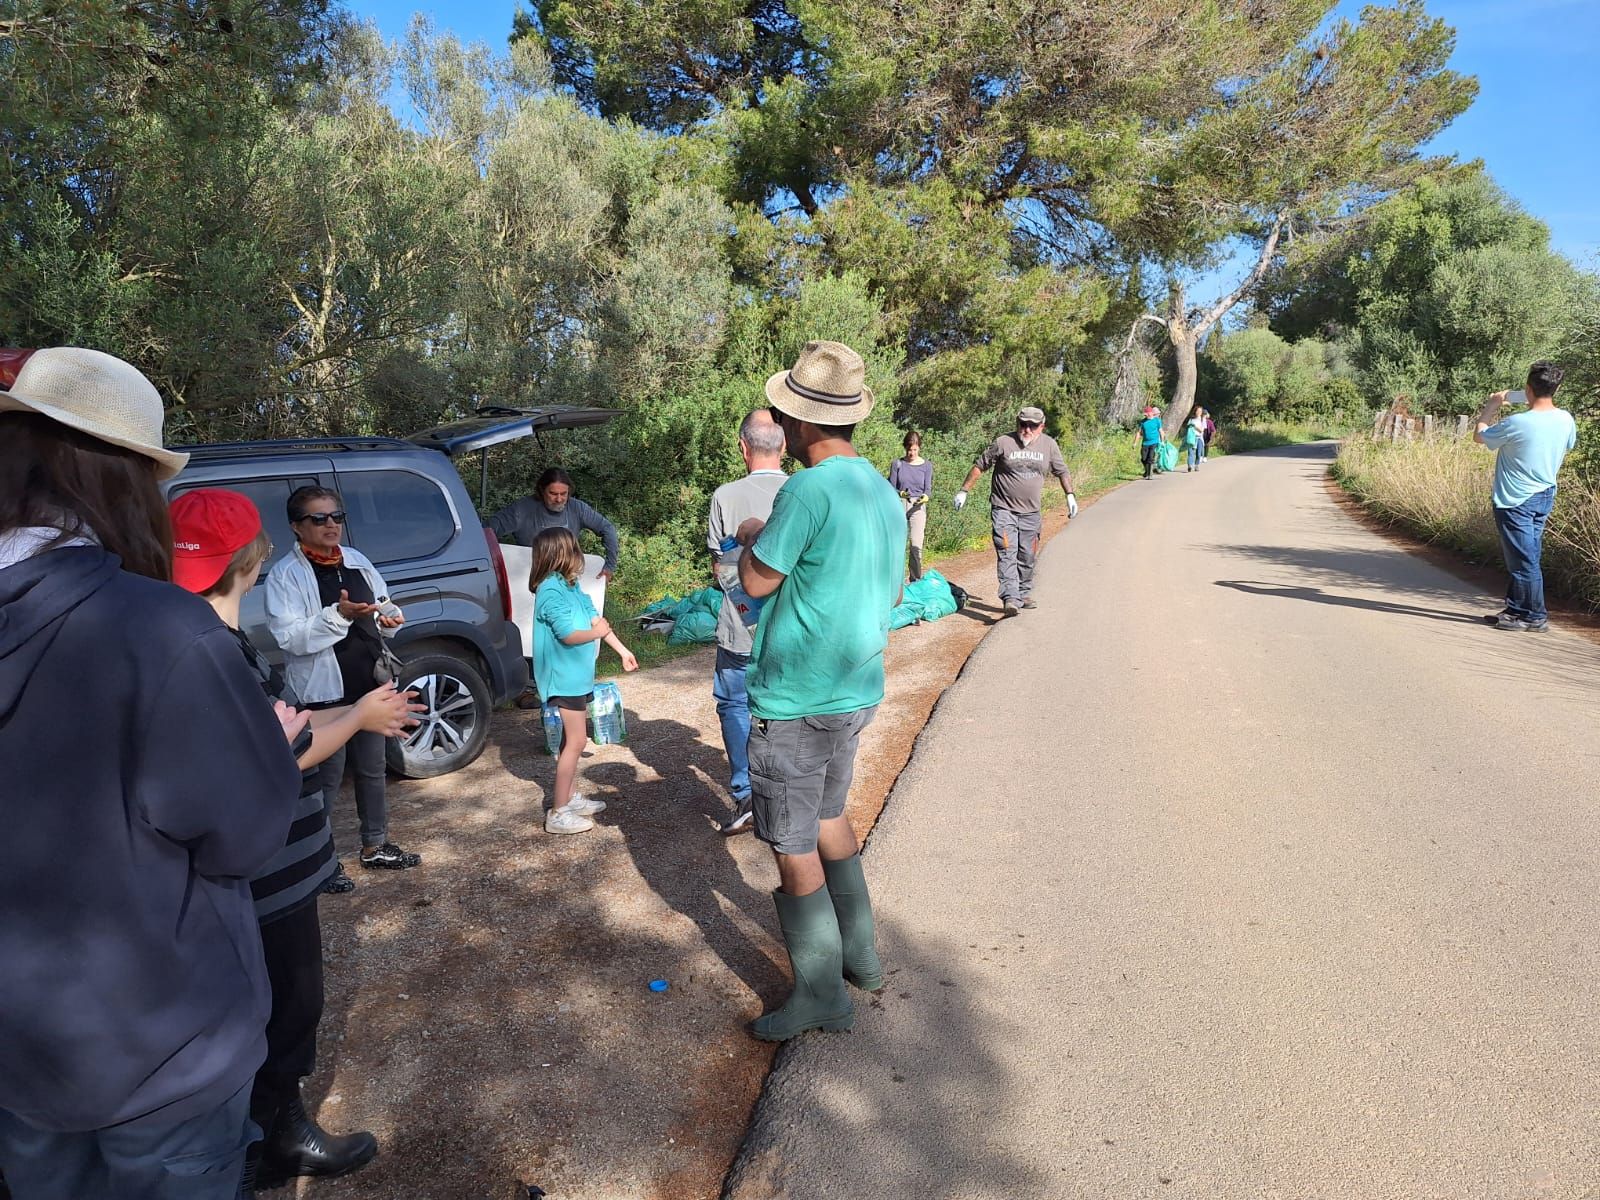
column 504, row 580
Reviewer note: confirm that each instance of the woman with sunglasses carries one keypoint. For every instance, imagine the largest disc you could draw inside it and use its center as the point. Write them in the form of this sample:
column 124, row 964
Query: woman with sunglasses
column 328, row 608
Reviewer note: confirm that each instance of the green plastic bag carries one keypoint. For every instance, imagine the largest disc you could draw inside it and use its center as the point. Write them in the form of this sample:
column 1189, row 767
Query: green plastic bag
column 1169, row 457
column 667, row 606
column 696, row 627
column 928, row 599
column 707, row 599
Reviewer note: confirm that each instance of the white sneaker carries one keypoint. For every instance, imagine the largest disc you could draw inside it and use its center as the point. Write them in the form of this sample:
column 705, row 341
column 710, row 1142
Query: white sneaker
column 584, row 806
column 564, row 820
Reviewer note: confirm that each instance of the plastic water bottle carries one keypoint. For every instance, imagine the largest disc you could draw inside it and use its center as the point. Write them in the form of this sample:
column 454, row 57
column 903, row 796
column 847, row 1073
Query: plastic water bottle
column 605, row 711
column 552, row 728
column 746, row 605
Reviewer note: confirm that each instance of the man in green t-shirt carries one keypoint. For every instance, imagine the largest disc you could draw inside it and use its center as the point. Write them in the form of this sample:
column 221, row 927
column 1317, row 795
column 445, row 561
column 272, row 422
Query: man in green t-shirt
column 830, row 560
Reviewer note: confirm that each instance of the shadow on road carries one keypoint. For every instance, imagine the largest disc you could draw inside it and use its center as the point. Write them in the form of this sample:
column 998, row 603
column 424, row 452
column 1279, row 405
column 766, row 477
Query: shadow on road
column 1318, row 596
column 1388, row 569
column 1323, row 451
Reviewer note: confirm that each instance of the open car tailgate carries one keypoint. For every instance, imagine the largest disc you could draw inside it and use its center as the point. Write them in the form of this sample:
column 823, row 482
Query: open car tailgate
column 490, row 426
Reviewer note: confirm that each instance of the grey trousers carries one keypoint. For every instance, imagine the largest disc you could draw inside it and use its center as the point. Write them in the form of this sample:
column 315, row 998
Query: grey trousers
column 365, row 752
column 1016, row 544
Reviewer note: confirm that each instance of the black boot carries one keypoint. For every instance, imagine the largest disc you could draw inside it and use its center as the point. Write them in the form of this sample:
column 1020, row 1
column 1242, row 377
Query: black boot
column 916, row 563
column 296, row 1145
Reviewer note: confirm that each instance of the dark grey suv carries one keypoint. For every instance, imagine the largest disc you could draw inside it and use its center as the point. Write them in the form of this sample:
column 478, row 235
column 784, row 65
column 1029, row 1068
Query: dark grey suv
column 410, row 513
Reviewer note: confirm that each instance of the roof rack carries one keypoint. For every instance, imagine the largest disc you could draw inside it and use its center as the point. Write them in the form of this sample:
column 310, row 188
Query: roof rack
column 295, row 446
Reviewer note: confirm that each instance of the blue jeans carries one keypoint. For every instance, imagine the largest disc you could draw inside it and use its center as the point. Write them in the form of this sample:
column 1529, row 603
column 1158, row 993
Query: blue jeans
column 1522, row 541
column 1197, row 453
column 198, row 1159
column 733, row 710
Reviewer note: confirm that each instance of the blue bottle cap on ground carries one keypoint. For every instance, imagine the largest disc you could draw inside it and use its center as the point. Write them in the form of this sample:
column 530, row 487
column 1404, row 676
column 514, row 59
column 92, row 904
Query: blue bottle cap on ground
column 659, row 985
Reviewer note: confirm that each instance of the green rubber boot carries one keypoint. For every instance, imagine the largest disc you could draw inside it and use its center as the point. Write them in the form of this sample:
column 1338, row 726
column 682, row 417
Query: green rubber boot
column 819, row 999
column 847, row 884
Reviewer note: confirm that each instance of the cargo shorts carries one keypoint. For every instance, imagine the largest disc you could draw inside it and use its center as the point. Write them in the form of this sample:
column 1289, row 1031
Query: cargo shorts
column 800, row 773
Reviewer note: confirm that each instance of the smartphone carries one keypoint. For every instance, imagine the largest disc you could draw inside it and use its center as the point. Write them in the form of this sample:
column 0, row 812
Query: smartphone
column 1516, row 399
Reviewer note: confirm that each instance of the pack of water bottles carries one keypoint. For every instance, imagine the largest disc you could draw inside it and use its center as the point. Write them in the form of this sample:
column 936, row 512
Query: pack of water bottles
column 607, row 724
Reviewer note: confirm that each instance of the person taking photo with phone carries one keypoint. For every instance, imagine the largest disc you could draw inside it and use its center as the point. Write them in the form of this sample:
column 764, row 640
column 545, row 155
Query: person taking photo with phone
column 1530, row 447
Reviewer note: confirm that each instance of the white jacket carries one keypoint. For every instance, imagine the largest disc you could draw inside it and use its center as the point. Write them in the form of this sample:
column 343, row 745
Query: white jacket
column 306, row 630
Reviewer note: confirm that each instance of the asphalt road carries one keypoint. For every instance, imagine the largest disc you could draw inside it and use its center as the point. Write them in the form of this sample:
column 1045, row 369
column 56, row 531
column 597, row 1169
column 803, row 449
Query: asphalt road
column 1250, row 865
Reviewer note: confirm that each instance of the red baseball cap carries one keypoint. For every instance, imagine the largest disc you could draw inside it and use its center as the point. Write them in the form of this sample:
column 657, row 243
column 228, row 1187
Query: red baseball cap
column 209, row 526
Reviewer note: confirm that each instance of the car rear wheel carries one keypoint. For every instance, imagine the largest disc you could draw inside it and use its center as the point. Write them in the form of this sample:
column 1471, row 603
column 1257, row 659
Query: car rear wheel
column 455, row 725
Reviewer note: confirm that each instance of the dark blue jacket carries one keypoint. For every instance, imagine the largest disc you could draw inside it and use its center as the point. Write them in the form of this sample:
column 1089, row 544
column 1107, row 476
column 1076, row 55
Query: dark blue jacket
column 143, row 780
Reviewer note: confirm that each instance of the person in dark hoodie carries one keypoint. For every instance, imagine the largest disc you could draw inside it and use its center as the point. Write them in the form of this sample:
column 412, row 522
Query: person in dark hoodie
column 133, row 993
column 219, row 545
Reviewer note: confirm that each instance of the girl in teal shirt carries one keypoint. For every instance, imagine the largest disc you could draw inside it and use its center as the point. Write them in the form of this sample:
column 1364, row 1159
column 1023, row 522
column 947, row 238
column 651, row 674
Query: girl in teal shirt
column 566, row 636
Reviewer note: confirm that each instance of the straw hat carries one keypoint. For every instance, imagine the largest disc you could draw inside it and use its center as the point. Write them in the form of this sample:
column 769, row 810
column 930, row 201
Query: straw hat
column 94, row 393
column 826, row 386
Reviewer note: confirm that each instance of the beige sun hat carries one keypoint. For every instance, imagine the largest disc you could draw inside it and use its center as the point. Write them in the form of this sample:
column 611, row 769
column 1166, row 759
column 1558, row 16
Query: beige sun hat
column 92, row 392
column 826, row 386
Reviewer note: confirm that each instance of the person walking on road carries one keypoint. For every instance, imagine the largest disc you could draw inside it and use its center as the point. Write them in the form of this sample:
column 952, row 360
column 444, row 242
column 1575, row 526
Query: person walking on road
column 1149, row 434
column 830, row 561
column 1020, row 461
column 761, row 446
column 912, row 477
column 1530, row 447
column 1194, row 439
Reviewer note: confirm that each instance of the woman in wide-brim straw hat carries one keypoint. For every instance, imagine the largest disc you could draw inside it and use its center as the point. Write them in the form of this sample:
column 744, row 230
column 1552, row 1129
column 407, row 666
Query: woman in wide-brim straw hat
column 147, row 778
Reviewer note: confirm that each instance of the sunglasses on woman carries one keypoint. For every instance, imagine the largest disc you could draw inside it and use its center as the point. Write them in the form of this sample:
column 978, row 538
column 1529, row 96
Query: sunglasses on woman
column 321, row 519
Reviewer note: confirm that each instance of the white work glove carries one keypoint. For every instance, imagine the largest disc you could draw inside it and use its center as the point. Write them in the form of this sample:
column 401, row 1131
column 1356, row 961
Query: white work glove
column 961, row 499
column 1072, row 506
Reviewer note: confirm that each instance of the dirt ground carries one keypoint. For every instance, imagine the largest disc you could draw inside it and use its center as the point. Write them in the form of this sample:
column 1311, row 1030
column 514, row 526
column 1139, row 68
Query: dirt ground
column 489, row 1015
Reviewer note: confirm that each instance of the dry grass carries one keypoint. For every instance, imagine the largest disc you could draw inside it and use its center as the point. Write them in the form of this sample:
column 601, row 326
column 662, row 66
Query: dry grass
column 1438, row 490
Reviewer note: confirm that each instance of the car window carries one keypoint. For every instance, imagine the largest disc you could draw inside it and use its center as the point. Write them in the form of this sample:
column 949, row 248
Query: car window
column 271, row 497
column 396, row 515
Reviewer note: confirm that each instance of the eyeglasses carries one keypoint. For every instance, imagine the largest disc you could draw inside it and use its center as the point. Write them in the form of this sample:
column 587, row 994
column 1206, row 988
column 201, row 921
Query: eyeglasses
column 321, row 519
column 1028, row 424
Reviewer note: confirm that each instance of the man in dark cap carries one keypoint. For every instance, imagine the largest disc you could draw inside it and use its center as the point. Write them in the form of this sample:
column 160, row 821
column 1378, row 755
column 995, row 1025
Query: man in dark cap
column 1020, row 461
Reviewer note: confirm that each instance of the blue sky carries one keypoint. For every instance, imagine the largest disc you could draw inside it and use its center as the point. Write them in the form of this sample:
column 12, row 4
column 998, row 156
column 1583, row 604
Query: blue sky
column 1536, row 123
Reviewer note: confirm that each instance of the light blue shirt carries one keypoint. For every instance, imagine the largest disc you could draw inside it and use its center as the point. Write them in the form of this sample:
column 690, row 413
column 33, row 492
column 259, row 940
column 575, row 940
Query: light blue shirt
column 1530, row 446
column 561, row 609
